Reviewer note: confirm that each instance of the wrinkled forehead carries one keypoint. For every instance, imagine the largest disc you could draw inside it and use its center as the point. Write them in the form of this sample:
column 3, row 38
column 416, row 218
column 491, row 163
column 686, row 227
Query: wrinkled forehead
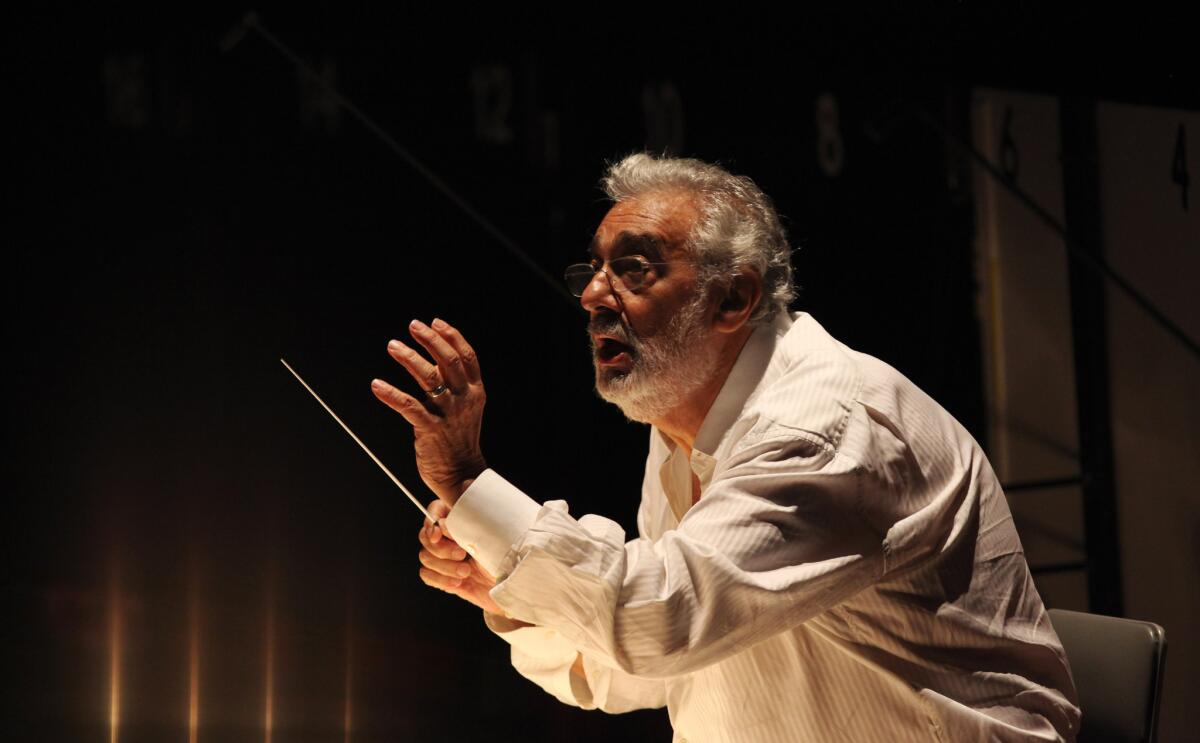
column 649, row 245
column 656, row 225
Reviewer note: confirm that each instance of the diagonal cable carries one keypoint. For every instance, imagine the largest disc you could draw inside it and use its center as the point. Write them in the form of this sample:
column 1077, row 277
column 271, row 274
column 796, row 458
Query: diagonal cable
column 250, row 22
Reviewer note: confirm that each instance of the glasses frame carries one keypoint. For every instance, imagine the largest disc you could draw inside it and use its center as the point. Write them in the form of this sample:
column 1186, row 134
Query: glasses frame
column 613, row 279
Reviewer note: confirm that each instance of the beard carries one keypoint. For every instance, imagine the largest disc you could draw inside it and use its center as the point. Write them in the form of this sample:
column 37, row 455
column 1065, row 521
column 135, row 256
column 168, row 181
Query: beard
column 664, row 370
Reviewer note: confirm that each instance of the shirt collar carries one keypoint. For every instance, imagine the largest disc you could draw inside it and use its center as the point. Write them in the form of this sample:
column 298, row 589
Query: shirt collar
column 744, row 379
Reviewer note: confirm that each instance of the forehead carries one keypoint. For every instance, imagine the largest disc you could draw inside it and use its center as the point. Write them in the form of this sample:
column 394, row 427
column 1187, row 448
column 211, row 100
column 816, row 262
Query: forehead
column 656, row 222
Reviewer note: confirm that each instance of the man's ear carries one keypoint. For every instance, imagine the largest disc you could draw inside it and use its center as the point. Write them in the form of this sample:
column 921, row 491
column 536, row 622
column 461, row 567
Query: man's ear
column 741, row 296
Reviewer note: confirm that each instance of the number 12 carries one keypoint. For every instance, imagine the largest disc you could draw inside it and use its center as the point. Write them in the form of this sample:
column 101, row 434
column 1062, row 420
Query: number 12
column 1179, row 166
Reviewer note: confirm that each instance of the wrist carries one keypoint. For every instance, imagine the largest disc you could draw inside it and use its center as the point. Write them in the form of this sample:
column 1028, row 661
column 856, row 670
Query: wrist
column 459, row 489
column 471, row 474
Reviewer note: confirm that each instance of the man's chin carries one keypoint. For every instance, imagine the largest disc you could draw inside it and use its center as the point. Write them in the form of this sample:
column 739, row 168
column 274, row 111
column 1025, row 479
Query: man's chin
column 614, row 387
column 608, row 377
column 630, row 409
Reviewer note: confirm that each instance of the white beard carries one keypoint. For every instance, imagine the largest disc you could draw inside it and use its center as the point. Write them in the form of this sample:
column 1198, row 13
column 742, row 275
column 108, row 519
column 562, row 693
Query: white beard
column 664, row 369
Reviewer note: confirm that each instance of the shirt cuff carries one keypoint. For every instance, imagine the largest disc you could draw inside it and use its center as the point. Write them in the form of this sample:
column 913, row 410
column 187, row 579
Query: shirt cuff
column 489, row 518
column 545, row 657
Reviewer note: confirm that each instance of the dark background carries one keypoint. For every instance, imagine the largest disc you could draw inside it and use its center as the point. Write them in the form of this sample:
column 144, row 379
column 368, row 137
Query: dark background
column 182, row 216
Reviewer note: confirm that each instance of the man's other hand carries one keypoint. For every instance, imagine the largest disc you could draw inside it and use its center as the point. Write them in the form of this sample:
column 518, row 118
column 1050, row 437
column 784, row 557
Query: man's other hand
column 447, row 422
column 445, row 565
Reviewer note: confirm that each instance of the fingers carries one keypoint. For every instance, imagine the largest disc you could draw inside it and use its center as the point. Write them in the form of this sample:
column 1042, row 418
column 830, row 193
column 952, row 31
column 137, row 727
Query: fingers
column 444, row 563
column 441, row 546
column 404, row 404
column 439, row 581
column 456, row 364
column 426, row 374
column 449, row 568
column 449, row 363
column 438, row 510
column 470, row 362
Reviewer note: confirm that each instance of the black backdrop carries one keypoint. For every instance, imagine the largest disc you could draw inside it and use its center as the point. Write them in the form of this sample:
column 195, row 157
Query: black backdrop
column 182, row 216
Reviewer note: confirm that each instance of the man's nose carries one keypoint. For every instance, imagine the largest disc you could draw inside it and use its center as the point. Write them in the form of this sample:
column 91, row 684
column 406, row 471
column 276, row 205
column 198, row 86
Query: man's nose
column 599, row 294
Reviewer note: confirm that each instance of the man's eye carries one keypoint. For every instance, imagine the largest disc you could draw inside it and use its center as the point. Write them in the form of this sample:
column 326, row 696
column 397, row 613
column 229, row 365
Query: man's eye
column 628, row 265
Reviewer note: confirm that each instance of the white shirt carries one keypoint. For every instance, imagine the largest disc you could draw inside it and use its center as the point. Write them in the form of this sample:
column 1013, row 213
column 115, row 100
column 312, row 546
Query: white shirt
column 850, row 572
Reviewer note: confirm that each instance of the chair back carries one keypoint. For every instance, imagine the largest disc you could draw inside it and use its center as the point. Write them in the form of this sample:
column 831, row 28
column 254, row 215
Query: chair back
column 1117, row 665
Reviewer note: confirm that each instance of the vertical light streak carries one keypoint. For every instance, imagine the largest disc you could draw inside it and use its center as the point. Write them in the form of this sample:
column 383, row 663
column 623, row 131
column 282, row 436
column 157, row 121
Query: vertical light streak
column 348, row 716
column 114, row 657
column 269, row 677
column 193, row 720
column 348, row 712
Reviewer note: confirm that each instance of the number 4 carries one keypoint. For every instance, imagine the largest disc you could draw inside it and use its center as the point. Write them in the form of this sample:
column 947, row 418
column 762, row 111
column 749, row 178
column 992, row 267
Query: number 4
column 1179, row 166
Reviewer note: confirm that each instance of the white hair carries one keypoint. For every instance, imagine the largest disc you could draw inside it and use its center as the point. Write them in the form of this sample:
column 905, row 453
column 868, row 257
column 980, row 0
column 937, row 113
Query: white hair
column 738, row 225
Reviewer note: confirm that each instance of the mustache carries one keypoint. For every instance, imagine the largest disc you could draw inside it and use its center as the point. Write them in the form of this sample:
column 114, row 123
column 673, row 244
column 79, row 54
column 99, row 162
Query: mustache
column 613, row 327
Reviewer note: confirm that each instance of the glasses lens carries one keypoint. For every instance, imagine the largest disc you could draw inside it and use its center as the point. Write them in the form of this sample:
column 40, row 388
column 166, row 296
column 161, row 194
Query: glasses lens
column 578, row 276
column 631, row 270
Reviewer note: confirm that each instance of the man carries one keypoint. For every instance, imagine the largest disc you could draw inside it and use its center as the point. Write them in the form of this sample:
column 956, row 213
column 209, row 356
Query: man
column 823, row 552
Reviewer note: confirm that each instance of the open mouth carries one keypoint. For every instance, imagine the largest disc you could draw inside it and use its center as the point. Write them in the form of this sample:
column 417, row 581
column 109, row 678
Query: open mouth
column 610, row 351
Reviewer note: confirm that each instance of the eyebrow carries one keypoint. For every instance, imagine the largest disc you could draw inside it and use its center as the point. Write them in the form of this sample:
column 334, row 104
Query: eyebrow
column 632, row 243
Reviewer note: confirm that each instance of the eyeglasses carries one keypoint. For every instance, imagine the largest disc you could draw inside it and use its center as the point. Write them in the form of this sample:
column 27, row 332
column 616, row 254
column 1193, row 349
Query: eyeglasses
column 626, row 273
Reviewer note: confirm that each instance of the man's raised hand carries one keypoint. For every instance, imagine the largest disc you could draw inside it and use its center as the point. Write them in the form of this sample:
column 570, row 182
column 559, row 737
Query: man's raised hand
column 447, row 423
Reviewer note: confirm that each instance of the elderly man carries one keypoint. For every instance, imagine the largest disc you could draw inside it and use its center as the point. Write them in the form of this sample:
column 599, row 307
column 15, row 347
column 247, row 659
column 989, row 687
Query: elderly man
column 823, row 552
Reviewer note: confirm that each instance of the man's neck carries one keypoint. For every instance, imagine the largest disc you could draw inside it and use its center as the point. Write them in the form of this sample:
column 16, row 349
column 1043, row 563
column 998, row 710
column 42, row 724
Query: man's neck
column 682, row 423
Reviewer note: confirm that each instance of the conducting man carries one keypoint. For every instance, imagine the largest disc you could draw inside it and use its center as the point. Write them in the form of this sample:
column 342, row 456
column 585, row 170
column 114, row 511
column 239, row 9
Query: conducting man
column 823, row 552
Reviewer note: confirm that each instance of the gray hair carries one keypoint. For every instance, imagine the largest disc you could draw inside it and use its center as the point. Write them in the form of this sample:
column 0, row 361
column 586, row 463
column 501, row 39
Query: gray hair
column 738, row 225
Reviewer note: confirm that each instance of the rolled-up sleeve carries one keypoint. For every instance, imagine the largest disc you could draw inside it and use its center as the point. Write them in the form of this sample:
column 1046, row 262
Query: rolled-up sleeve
column 545, row 657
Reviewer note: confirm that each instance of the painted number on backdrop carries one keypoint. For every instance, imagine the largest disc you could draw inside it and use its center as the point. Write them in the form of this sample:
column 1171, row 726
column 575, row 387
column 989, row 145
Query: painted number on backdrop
column 663, row 108
column 831, row 152
column 125, row 83
column 1179, row 166
column 319, row 107
column 1010, row 162
column 492, row 87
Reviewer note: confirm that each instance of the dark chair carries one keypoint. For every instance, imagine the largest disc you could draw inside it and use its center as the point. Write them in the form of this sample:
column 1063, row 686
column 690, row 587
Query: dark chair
column 1118, row 668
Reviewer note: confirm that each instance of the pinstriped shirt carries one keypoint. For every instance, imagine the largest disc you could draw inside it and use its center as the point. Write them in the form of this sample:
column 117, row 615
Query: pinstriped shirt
column 850, row 572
